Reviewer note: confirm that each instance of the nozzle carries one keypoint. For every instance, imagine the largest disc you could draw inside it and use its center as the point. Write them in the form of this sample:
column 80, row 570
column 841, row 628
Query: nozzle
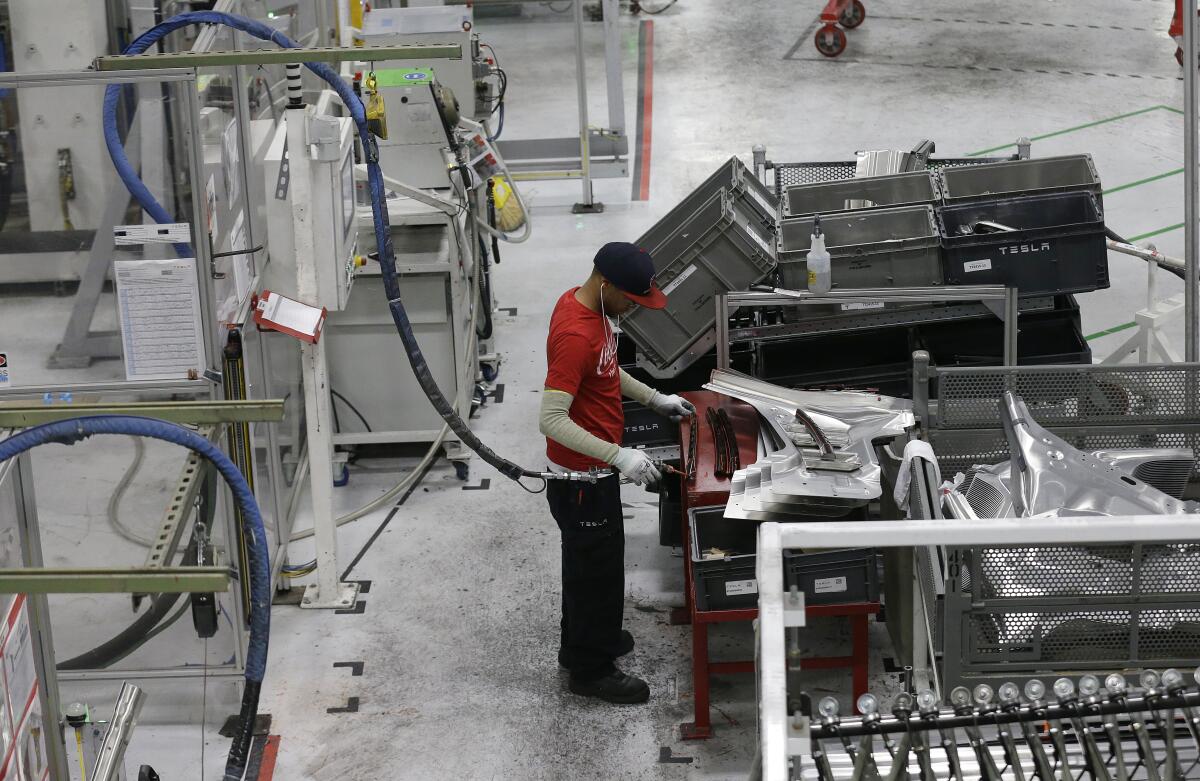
column 816, row 226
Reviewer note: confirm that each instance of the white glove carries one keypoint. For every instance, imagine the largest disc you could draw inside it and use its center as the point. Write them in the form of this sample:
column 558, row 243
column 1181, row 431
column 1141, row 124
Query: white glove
column 636, row 466
column 674, row 407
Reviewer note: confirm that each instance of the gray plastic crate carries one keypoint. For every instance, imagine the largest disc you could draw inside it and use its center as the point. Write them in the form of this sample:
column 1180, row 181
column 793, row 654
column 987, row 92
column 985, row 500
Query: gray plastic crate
column 1020, row 177
column 907, row 189
column 834, row 577
column 728, row 583
column 875, row 248
column 733, row 178
column 722, row 246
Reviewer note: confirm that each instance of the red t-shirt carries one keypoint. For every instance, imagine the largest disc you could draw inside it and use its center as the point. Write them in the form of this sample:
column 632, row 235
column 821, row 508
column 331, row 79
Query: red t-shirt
column 581, row 359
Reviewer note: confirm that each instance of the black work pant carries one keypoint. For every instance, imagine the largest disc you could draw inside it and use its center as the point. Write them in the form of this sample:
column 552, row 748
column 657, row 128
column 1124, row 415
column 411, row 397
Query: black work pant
column 593, row 573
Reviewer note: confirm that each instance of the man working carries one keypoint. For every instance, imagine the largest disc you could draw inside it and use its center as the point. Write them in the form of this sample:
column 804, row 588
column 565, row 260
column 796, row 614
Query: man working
column 582, row 420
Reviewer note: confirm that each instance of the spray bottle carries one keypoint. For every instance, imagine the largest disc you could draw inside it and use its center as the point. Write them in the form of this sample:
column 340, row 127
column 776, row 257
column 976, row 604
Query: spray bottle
column 819, row 280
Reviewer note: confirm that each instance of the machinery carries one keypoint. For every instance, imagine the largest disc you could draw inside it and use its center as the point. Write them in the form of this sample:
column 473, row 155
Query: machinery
column 331, row 189
column 277, row 194
column 465, row 77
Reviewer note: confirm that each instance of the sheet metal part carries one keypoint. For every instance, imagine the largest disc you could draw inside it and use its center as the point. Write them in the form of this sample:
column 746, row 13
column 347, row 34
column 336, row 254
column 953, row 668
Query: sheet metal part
column 1052, row 476
column 784, row 481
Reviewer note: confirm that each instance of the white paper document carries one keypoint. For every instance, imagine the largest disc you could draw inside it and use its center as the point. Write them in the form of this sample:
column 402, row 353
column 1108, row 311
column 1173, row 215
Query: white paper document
column 161, row 329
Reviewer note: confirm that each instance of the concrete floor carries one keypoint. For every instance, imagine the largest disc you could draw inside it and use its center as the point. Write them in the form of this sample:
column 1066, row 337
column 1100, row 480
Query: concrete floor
column 459, row 632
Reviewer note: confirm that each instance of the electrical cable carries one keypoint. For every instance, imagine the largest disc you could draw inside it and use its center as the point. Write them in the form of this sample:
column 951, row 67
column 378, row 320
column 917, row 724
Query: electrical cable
column 114, row 501
column 72, row 430
column 414, row 477
column 136, row 634
column 353, row 408
column 644, row 9
column 387, row 255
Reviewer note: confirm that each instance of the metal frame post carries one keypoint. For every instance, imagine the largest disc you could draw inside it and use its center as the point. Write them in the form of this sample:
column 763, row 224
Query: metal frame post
column 722, row 325
column 588, row 204
column 201, row 247
column 328, row 591
column 1012, row 317
column 783, row 740
column 39, row 618
column 612, row 66
column 1191, row 346
column 920, row 387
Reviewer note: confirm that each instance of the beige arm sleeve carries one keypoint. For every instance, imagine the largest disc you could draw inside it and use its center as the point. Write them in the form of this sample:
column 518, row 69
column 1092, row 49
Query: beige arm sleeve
column 635, row 389
column 555, row 423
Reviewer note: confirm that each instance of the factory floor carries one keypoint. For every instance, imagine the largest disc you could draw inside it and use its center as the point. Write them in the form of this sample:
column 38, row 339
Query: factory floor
column 448, row 670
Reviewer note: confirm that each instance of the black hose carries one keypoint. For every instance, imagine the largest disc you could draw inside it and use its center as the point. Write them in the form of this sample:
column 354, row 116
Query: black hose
column 484, row 329
column 136, row 634
column 1110, row 233
column 491, row 208
column 351, row 407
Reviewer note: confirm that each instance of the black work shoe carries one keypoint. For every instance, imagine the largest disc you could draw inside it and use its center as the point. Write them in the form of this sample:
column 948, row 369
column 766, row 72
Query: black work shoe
column 618, row 687
column 625, row 647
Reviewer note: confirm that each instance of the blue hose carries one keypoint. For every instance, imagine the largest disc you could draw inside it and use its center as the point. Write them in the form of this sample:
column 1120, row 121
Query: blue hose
column 383, row 234
column 68, row 432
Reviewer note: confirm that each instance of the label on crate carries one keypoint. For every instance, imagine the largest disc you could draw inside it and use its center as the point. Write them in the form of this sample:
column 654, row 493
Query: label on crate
column 829, row 585
column 978, row 265
column 679, row 280
column 860, row 305
column 735, row 587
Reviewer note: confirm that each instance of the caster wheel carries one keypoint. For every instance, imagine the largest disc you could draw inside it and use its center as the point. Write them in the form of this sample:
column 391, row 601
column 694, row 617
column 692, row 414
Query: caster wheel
column 854, row 15
column 490, row 371
column 1179, row 56
column 830, row 41
column 462, row 470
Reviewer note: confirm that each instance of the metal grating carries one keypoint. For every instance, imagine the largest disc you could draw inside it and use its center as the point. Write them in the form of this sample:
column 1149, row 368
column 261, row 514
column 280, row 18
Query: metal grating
column 1084, row 638
column 789, row 174
column 1055, row 571
column 1074, row 396
column 1167, row 569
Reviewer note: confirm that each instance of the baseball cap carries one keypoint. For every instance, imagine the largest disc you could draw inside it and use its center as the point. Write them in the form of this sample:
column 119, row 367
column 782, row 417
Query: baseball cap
column 631, row 271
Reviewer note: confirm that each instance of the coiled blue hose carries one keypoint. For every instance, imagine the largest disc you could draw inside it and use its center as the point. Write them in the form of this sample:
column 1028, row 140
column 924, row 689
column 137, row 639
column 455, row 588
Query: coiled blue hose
column 383, row 235
column 72, row 430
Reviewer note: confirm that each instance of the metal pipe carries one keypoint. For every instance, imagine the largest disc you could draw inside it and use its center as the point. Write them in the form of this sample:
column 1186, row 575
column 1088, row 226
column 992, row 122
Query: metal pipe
column 612, row 66
column 1191, row 346
column 1152, row 256
column 110, row 760
column 1125, row 529
column 585, row 156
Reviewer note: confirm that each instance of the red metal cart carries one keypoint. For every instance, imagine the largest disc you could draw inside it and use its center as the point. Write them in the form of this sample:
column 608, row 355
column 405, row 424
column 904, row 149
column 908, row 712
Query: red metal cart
column 705, row 489
column 831, row 39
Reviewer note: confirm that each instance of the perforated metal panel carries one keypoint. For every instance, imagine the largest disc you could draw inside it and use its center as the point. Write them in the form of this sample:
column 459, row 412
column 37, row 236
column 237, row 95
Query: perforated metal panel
column 788, row 174
column 1021, row 612
column 1070, row 396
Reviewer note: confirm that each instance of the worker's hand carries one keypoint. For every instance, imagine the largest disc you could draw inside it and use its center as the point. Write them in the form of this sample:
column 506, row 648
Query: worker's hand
column 637, row 466
column 674, row 407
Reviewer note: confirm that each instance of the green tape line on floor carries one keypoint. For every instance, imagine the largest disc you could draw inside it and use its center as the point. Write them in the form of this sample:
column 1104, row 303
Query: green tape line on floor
column 1140, row 182
column 1063, row 132
column 1114, row 330
column 1154, row 233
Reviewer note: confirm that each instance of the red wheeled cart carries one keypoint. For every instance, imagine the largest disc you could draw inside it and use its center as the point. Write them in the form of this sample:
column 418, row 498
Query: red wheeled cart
column 831, row 39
